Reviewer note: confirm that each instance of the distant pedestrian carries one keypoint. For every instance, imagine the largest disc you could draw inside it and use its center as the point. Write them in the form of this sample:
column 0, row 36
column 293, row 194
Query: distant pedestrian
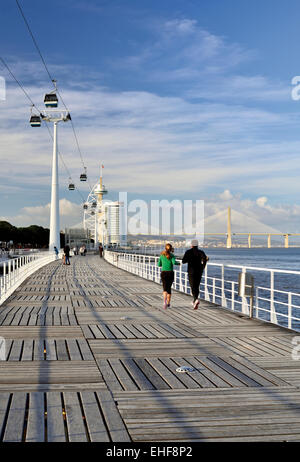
column 100, row 250
column 67, row 255
column 196, row 260
column 81, row 250
column 56, row 251
column 84, row 250
column 166, row 262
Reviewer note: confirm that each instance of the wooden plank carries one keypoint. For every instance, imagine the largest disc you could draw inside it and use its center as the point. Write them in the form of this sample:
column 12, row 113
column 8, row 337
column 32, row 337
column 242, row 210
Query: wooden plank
column 156, row 380
column 122, row 375
column 109, row 376
column 87, row 332
column 75, row 422
column 38, row 353
column 85, row 350
column 96, row 332
column 36, row 418
column 259, row 371
column 126, row 332
column 73, row 350
column 94, row 421
column 105, row 331
column 50, row 349
column 114, row 422
column 15, row 422
column 139, row 378
column 42, row 332
column 168, row 376
column 243, row 374
column 16, row 350
column 61, row 349
column 217, row 370
column 24, row 372
column 27, row 354
column 55, row 421
column 135, row 331
column 4, row 402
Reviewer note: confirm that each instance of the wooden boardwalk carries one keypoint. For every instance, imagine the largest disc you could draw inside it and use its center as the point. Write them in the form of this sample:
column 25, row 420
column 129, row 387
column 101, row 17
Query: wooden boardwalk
column 92, row 356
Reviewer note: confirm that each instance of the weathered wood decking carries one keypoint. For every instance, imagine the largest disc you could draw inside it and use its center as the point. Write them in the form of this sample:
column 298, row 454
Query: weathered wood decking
column 92, row 356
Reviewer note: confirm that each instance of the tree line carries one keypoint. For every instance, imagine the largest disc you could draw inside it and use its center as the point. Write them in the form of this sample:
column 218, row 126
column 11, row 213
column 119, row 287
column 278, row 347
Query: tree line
column 30, row 236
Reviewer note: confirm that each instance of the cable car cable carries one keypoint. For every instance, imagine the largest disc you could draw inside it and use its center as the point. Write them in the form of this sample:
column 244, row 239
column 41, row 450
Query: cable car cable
column 34, row 105
column 50, row 77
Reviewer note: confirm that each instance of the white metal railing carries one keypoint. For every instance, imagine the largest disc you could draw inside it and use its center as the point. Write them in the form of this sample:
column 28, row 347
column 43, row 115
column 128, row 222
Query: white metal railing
column 276, row 297
column 16, row 270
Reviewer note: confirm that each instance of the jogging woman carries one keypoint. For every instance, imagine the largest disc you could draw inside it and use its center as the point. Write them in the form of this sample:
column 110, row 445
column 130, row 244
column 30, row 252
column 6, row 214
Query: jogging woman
column 166, row 262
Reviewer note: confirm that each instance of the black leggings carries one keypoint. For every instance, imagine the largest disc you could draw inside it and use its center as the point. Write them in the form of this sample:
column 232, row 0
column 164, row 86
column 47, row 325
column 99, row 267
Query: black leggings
column 167, row 278
column 194, row 280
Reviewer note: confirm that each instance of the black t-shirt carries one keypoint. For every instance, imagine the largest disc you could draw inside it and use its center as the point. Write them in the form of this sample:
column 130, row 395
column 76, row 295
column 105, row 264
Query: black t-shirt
column 196, row 259
column 67, row 250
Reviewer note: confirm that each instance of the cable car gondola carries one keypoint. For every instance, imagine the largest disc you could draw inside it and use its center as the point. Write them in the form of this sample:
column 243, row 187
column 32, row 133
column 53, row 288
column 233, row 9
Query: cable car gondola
column 94, row 204
column 85, row 206
column 83, row 176
column 71, row 185
column 51, row 99
column 35, row 121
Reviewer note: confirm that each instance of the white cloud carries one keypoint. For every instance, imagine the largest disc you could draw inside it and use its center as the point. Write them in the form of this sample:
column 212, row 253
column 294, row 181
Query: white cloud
column 70, row 213
column 261, row 201
column 226, row 195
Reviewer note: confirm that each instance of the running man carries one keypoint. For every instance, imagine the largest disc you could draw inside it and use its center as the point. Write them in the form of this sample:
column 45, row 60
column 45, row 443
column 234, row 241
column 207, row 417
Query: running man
column 196, row 260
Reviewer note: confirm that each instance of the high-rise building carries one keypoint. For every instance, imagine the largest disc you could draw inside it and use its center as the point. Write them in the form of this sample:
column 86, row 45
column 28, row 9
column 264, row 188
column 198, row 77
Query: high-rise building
column 113, row 217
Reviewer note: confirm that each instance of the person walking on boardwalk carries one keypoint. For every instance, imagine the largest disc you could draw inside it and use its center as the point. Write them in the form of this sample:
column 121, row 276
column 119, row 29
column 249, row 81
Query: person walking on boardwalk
column 100, row 250
column 67, row 255
column 196, row 260
column 166, row 262
column 56, row 251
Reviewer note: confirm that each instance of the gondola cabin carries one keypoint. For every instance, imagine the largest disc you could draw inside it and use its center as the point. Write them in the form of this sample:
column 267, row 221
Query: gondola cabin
column 51, row 100
column 71, row 187
column 83, row 177
column 35, row 121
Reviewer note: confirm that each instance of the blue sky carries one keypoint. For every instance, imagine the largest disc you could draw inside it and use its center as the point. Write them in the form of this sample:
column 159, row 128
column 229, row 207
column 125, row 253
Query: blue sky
column 179, row 99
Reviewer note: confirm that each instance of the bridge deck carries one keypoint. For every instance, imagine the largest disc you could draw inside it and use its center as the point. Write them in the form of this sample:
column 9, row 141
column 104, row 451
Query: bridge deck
column 92, row 356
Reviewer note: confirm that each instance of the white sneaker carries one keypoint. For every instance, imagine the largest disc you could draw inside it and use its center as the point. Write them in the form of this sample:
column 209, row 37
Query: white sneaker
column 196, row 304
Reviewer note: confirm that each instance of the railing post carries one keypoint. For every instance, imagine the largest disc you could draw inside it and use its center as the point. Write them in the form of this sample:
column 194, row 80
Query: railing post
column 224, row 303
column 232, row 295
column 206, row 293
column 245, row 309
column 289, row 310
column 272, row 305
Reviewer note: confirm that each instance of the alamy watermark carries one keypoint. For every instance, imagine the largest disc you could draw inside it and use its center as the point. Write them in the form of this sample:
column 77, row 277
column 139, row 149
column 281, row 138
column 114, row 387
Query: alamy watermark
column 162, row 217
column 2, row 349
column 2, row 89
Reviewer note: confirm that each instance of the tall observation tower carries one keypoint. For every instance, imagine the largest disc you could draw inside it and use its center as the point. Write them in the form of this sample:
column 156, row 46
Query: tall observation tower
column 100, row 218
column 103, row 218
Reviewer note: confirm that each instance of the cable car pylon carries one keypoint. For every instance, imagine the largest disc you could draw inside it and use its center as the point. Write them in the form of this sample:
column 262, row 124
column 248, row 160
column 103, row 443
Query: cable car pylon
column 54, row 115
